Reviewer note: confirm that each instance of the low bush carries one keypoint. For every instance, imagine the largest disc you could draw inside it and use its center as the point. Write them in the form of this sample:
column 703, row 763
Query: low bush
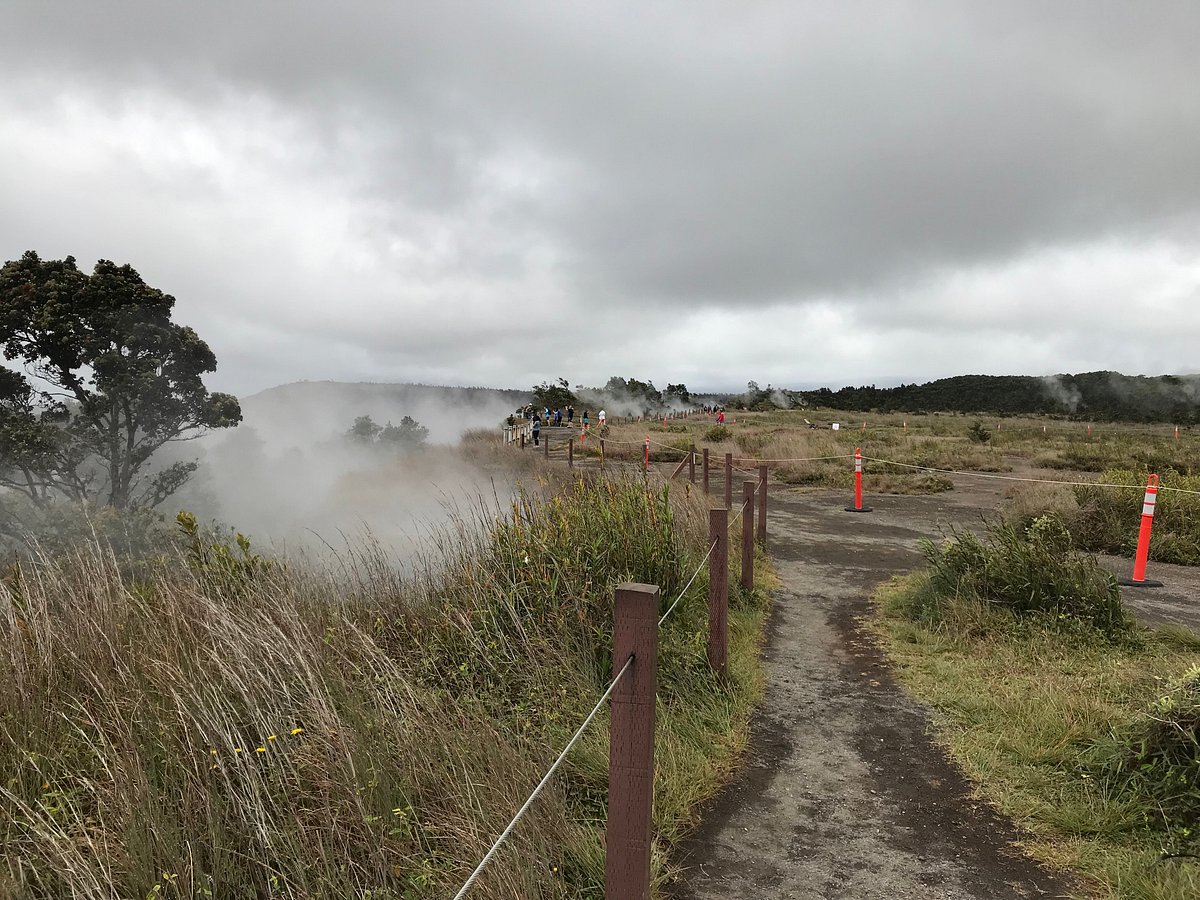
column 716, row 434
column 978, row 433
column 1155, row 762
column 1025, row 571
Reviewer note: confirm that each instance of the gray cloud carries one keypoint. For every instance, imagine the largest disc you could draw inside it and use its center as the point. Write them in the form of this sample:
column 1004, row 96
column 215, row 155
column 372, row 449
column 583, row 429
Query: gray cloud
column 461, row 191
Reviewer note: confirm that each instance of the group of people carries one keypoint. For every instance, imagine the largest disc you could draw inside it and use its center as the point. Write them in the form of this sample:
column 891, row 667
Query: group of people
column 556, row 417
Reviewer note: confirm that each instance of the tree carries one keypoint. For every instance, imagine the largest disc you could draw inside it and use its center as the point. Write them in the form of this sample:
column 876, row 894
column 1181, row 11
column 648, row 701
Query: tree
column 364, row 430
column 553, row 396
column 678, row 390
column 108, row 380
column 408, row 435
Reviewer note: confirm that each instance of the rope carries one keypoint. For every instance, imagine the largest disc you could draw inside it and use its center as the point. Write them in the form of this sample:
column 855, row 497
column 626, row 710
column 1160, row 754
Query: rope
column 695, row 575
column 1018, row 478
column 794, row 459
column 542, row 784
column 739, row 513
column 669, row 447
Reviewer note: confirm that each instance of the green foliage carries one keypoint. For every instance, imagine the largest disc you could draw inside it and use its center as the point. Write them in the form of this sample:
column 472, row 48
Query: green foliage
column 678, row 391
column 409, row 435
column 642, row 394
column 978, row 433
column 1093, row 395
column 1109, row 518
column 1025, row 571
column 716, row 434
column 1071, row 735
column 131, row 377
column 364, row 430
column 556, row 395
column 1157, row 759
column 230, row 569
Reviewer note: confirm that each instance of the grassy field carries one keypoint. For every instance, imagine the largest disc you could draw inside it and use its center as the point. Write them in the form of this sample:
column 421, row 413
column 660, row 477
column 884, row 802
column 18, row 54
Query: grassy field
column 1100, row 518
column 1071, row 719
column 212, row 723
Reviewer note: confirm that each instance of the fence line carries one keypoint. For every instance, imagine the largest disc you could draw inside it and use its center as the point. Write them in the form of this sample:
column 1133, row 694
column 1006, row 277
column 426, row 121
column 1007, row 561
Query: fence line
column 525, row 807
column 628, row 833
column 691, row 581
column 741, row 509
column 542, row 784
column 993, row 475
column 889, row 462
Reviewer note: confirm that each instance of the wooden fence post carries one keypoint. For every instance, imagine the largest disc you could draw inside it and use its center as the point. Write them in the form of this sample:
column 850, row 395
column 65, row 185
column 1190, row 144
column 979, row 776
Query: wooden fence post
column 729, row 481
column 631, row 744
column 522, row 440
column 748, row 536
column 571, row 452
column 692, row 463
column 762, row 503
column 546, row 446
column 602, row 453
column 718, row 590
column 705, row 480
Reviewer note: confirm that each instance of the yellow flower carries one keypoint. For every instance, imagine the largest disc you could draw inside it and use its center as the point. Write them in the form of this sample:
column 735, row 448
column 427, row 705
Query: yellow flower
column 297, row 731
column 237, row 749
column 270, row 737
column 212, row 752
column 260, row 749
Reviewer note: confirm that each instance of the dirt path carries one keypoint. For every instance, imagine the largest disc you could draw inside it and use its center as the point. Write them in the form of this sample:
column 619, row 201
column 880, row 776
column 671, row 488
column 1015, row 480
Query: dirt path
column 843, row 794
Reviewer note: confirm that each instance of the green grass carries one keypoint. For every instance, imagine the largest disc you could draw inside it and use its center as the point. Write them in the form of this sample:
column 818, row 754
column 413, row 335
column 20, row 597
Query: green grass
column 214, row 724
column 1108, row 518
column 1044, row 716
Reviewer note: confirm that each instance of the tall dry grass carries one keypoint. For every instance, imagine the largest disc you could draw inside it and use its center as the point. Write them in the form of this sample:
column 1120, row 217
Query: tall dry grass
column 224, row 725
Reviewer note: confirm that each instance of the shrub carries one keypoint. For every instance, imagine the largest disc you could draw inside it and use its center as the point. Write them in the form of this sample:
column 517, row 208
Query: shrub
column 1027, row 571
column 978, row 433
column 1156, row 762
column 716, row 434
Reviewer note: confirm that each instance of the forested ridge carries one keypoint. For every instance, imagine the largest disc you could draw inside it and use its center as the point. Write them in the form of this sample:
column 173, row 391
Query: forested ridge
column 1107, row 396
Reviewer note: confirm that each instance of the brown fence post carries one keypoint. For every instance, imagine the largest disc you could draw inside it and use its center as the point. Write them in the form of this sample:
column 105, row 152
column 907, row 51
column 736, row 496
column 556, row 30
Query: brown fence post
column 705, row 479
column 729, row 481
column 762, row 503
column 546, row 446
column 748, row 536
column 571, row 452
column 718, row 589
column 631, row 744
column 522, row 440
column 692, row 463
column 602, row 453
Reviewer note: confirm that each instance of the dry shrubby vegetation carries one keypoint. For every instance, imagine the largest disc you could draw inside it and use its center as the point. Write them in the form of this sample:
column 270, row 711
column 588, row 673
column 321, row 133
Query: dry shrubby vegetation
column 208, row 722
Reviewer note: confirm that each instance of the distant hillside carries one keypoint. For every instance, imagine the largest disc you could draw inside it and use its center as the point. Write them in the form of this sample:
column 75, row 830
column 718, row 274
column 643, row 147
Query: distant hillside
column 308, row 411
column 1092, row 395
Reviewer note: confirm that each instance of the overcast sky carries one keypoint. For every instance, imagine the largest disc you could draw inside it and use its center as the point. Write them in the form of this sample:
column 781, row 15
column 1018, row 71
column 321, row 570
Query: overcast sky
column 498, row 193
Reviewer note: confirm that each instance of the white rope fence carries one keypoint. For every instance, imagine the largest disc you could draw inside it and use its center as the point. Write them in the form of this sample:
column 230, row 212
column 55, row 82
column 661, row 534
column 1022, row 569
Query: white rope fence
column 525, row 807
column 462, row 892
